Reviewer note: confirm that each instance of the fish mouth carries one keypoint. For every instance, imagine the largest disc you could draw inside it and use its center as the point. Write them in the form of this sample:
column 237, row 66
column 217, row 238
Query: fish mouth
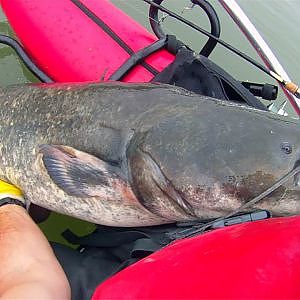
column 155, row 192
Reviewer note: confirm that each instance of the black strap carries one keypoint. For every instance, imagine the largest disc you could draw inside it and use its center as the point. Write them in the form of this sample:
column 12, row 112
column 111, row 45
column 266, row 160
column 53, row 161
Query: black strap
column 105, row 239
column 110, row 32
column 173, row 45
column 169, row 42
column 144, row 247
column 25, row 58
column 137, row 58
column 139, row 242
column 8, row 200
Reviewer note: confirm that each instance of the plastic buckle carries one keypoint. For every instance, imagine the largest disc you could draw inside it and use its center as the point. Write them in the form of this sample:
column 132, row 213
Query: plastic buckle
column 249, row 217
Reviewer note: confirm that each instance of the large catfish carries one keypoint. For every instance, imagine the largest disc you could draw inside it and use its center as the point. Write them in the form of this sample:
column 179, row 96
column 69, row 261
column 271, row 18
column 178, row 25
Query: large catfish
column 137, row 155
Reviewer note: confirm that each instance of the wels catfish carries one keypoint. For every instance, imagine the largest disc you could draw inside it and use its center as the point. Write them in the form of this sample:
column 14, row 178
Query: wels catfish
column 139, row 155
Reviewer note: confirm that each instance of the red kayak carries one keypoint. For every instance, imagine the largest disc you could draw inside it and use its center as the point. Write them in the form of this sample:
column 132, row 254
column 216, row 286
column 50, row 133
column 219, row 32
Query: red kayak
column 259, row 260
column 82, row 40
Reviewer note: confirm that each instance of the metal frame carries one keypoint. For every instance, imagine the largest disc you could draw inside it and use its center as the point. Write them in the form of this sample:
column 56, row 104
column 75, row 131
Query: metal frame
column 261, row 47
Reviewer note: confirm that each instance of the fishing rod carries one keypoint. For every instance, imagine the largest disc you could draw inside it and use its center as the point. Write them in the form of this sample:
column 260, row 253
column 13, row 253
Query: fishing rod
column 288, row 85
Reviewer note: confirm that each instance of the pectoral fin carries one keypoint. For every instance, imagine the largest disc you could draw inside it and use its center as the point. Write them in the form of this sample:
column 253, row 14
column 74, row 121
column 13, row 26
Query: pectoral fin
column 155, row 191
column 80, row 174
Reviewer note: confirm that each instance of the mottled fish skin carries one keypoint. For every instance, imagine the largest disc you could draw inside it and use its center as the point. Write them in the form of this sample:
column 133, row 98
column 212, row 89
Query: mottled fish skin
column 139, row 155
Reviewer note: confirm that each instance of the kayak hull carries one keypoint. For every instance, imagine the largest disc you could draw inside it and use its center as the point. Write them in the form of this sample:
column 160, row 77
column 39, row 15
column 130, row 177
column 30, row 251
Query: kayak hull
column 258, row 260
column 74, row 40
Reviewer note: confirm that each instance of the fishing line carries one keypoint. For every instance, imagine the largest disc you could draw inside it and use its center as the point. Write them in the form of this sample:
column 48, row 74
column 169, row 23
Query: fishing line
column 142, row 13
column 290, row 86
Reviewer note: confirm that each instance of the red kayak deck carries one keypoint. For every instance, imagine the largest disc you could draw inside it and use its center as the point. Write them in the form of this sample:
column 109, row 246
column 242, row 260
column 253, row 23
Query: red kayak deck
column 70, row 40
column 258, row 260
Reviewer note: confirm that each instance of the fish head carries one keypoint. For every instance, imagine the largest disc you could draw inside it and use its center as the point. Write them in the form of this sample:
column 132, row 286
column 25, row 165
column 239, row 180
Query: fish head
column 202, row 163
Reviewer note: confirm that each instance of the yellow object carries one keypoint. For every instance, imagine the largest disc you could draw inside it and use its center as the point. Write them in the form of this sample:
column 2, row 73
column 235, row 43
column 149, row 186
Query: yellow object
column 11, row 191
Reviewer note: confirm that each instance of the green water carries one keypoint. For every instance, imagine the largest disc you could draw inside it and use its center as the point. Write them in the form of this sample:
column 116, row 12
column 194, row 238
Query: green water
column 277, row 21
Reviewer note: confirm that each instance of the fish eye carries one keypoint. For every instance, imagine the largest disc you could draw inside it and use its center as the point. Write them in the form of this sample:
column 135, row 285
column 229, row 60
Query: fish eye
column 286, row 148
